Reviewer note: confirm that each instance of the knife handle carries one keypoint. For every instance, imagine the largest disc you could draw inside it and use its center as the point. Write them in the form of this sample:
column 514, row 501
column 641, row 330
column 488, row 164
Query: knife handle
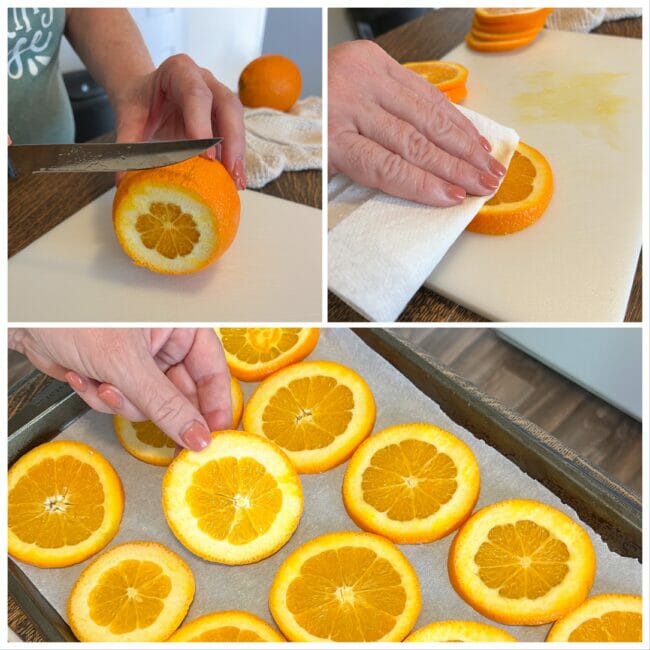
column 11, row 169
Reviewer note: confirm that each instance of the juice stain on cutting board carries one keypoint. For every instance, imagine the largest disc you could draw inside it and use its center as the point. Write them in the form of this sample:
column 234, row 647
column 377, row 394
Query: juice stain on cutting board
column 585, row 100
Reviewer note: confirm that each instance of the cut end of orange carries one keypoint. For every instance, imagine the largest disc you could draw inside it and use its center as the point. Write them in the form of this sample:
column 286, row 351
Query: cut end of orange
column 138, row 591
column 522, row 562
column 521, row 199
column 65, row 503
column 411, row 483
column 613, row 618
column 345, row 586
column 449, row 77
column 177, row 219
column 254, row 353
column 224, row 627
column 466, row 631
column 271, row 80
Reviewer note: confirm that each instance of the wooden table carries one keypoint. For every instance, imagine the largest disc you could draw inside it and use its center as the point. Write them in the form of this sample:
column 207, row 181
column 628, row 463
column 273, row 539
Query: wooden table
column 38, row 202
column 432, row 36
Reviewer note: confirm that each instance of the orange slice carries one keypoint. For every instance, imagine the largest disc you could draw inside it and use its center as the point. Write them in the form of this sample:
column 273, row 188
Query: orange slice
column 523, row 197
column 500, row 45
column 316, row 411
column 522, row 562
column 604, row 618
column 456, row 94
column 511, row 19
column 446, row 631
column 479, row 33
column 233, row 626
column 412, row 483
column 442, row 74
column 345, row 586
column 139, row 591
column 65, row 503
column 236, row 502
column 253, row 353
column 177, row 219
column 148, row 443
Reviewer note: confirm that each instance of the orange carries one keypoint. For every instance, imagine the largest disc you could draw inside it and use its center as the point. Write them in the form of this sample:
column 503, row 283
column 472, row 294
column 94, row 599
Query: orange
column 236, row 502
column 411, row 483
column 510, row 19
column 522, row 562
column 345, row 586
column 521, row 199
column 316, row 411
column 230, row 626
column 148, row 443
column 253, row 353
column 479, row 34
column 177, row 219
column 446, row 631
column 604, row 618
column 65, row 503
column 271, row 80
column 442, row 74
column 500, row 45
column 456, row 94
column 139, row 591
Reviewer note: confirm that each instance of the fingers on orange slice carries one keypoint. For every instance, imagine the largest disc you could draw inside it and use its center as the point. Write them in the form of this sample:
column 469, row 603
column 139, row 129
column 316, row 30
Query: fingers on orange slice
column 345, row 586
column 65, row 503
column 316, row 411
column 150, row 444
column 139, row 591
column 229, row 626
column 468, row 631
column 253, row 353
column 412, row 483
column 177, row 219
column 607, row 617
column 236, row 502
column 522, row 562
column 521, row 199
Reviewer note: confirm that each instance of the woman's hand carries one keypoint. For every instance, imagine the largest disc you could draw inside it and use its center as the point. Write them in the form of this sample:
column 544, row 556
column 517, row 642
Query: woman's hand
column 392, row 130
column 178, row 101
column 176, row 377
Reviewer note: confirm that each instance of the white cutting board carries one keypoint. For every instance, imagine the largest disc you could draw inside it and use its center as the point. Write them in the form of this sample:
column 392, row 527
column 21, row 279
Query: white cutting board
column 577, row 262
column 78, row 272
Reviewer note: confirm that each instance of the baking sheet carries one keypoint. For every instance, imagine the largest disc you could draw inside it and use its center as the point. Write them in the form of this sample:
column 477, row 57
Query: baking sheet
column 221, row 587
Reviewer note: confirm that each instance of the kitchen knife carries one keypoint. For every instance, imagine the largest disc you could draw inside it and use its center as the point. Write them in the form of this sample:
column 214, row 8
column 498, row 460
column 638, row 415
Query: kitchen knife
column 102, row 157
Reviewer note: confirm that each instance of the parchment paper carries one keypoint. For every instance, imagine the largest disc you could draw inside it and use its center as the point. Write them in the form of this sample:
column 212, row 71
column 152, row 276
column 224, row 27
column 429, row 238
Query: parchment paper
column 221, row 587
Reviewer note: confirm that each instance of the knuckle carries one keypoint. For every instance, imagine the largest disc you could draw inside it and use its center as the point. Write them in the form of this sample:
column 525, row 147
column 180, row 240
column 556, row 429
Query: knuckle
column 178, row 60
column 441, row 123
column 164, row 408
column 417, row 146
column 390, row 170
column 470, row 147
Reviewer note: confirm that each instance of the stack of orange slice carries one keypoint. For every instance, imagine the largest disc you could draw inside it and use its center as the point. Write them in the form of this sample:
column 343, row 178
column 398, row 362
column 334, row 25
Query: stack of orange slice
column 498, row 30
column 449, row 77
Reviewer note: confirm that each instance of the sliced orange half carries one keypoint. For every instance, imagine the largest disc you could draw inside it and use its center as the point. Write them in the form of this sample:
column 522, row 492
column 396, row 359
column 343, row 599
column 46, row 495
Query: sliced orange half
column 604, row 618
column 468, row 631
column 177, row 219
column 316, row 411
column 442, row 74
column 506, row 18
column 523, row 197
column 236, row 502
column 65, row 503
column 139, row 591
column 482, row 35
column 499, row 45
column 345, row 586
column 412, row 483
column 230, row 626
column 253, row 353
column 522, row 562
column 148, row 443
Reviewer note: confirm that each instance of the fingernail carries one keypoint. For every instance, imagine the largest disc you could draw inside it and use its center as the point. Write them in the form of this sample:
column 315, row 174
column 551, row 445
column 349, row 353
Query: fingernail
column 456, row 193
column 110, row 398
column 485, row 144
column 77, row 382
column 489, row 181
column 496, row 167
column 197, row 437
column 238, row 174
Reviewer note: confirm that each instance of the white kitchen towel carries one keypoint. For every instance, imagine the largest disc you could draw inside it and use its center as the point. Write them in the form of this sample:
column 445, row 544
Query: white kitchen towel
column 279, row 142
column 381, row 248
column 584, row 20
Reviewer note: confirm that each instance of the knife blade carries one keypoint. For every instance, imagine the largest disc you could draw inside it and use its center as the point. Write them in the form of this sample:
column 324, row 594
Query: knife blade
column 103, row 157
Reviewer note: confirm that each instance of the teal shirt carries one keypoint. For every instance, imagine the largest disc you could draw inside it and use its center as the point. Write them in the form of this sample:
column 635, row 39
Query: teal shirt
column 39, row 107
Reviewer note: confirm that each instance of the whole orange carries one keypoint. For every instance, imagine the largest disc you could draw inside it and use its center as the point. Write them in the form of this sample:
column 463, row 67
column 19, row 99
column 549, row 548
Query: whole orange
column 271, row 80
column 177, row 219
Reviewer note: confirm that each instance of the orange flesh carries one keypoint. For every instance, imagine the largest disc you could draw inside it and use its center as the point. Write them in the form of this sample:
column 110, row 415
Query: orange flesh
column 149, row 434
column 259, row 344
column 168, row 230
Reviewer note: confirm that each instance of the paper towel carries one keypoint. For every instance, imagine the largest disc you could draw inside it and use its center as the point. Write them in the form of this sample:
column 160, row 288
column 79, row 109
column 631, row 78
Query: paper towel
column 381, row 248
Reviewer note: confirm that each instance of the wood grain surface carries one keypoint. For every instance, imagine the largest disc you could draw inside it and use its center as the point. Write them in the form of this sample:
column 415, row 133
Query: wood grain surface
column 39, row 202
column 430, row 37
